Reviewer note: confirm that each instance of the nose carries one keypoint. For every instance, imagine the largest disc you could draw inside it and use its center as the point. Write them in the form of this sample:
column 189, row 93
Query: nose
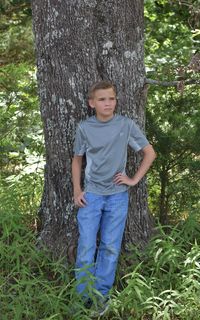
column 107, row 102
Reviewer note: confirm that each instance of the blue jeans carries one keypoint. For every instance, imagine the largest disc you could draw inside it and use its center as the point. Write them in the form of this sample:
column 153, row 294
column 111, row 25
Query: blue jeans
column 106, row 214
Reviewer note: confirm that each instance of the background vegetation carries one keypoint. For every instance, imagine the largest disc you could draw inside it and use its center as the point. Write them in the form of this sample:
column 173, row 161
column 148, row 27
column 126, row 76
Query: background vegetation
column 164, row 281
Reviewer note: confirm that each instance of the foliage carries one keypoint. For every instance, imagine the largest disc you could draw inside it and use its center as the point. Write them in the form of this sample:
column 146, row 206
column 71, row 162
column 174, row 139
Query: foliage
column 160, row 283
column 172, row 37
column 16, row 32
column 21, row 132
column 173, row 123
column 163, row 282
column 166, row 284
column 173, row 116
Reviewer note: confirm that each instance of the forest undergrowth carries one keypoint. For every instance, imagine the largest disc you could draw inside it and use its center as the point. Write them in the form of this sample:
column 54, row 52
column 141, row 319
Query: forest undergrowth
column 160, row 282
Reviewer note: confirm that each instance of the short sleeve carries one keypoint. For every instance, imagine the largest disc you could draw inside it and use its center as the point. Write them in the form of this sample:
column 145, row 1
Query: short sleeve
column 79, row 142
column 137, row 139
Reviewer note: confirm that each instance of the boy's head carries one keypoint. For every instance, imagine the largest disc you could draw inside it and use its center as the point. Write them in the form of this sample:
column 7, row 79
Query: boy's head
column 102, row 98
column 101, row 85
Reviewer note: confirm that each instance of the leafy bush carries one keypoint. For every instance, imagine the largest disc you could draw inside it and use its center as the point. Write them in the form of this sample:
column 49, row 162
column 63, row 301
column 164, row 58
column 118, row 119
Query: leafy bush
column 166, row 284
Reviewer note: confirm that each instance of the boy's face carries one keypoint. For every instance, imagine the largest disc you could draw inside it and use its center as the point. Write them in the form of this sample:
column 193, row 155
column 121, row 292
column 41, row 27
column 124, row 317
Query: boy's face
column 104, row 102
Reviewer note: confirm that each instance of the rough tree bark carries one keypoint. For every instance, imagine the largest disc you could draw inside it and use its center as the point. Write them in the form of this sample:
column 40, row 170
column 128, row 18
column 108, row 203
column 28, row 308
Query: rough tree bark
column 79, row 42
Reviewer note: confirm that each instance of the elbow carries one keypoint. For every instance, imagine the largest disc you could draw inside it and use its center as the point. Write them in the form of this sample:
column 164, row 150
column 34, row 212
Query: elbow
column 154, row 155
column 150, row 153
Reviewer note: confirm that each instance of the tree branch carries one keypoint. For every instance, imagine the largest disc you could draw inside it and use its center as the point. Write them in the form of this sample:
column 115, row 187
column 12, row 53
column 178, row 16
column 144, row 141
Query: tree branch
column 171, row 83
column 174, row 162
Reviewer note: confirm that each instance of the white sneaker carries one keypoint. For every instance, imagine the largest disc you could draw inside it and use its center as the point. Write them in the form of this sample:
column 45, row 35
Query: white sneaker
column 101, row 308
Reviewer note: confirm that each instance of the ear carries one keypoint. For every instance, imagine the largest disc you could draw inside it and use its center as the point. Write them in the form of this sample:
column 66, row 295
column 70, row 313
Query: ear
column 90, row 102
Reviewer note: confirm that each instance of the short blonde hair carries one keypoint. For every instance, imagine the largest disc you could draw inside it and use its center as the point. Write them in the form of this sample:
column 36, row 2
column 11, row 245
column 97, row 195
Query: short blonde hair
column 104, row 84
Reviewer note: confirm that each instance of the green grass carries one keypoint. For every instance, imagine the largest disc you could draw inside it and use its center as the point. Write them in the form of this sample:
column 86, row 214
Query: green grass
column 166, row 283
column 162, row 282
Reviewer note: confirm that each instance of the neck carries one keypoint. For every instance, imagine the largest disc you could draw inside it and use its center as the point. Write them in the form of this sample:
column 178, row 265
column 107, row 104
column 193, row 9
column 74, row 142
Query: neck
column 104, row 119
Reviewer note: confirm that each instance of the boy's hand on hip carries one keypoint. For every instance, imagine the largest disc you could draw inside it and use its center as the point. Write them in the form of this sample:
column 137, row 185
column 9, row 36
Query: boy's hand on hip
column 79, row 199
column 121, row 178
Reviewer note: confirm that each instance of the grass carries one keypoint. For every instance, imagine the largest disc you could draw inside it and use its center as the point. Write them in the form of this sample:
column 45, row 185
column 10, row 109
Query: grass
column 162, row 282
column 166, row 283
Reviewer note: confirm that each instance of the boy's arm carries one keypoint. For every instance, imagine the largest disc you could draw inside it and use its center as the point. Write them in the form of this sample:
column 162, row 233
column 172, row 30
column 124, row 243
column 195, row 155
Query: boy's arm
column 76, row 179
column 149, row 156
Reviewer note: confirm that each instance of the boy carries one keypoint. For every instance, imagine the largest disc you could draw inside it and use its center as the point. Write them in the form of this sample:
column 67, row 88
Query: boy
column 103, row 204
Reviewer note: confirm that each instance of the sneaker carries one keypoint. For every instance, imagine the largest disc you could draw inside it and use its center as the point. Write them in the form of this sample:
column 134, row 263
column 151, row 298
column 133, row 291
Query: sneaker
column 104, row 308
column 100, row 308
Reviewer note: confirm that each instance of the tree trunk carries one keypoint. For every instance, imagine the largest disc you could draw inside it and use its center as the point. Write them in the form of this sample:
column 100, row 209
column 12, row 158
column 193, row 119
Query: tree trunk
column 77, row 43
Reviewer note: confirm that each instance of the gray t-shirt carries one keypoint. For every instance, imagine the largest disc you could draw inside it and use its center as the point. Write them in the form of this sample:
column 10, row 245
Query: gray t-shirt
column 105, row 145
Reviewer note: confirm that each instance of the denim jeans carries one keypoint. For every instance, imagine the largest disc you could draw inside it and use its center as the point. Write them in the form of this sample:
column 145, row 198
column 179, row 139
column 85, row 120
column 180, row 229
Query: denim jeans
column 107, row 214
